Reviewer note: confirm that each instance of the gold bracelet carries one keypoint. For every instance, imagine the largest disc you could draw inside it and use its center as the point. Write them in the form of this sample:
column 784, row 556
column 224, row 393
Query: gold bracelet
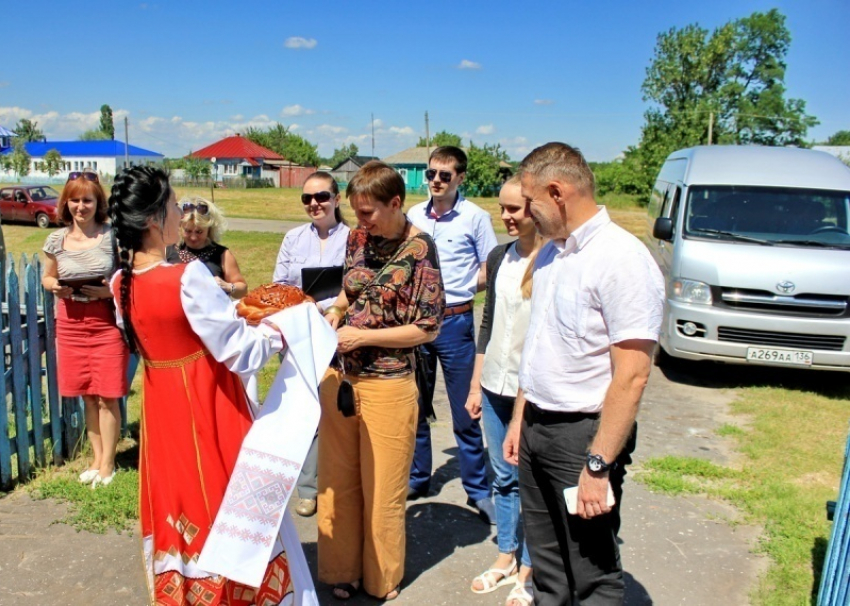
column 334, row 309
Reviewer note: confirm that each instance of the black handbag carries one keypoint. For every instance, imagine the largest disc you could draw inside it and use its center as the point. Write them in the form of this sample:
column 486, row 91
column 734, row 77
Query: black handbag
column 345, row 399
column 421, row 368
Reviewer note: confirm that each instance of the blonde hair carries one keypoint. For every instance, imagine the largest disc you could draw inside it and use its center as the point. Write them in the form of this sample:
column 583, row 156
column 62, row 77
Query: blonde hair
column 527, row 276
column 213, row 221
column 525, row 285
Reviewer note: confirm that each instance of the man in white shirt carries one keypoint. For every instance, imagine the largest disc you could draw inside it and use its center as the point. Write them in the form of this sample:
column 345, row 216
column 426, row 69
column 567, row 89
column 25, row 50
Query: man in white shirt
column 464, row 237
column 595, row 317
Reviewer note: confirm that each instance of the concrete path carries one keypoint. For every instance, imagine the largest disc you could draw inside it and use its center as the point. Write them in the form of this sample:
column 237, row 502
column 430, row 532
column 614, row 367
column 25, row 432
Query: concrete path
column 267, row 225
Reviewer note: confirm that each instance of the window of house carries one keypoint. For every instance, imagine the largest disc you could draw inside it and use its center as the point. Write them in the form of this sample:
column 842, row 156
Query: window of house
column 94, row 165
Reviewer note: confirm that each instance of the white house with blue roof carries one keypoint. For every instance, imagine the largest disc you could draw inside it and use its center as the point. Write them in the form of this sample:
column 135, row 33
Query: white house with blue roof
column 6, row 138
column 103, row 157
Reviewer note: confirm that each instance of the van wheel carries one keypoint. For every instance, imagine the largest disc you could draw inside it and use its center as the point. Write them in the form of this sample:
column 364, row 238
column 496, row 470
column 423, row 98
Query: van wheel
column 663, row 359
column 42, row 220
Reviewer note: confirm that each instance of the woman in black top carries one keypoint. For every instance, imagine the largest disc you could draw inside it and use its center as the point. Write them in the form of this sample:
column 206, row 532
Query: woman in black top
column 201, row 227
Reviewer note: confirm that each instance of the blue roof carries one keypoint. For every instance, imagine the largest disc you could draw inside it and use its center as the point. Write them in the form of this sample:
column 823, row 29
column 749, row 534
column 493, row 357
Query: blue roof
column 70, row 149
column 5, row 132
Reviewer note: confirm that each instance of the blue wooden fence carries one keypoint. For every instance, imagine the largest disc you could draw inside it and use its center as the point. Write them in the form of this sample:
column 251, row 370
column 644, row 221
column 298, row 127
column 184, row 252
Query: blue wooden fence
column 37, row 427
column 835, row 576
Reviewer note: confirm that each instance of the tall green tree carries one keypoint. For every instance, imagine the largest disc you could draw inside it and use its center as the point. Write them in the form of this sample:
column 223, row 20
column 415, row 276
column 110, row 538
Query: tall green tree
column 841, row 137
column 94, row 134
column 441, row 138
column 733, row 77
column 196, row 167
column 107, row 126
column 28, row 131
column 19, row 159
column 342, row 154
column 482, row 172
column 281, row 140
column 52, row 162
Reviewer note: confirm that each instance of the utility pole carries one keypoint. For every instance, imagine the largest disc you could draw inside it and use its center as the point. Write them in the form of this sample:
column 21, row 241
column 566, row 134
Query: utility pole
column 373, row 134
column 427, row 135
column 126, row 143
column 710, row 126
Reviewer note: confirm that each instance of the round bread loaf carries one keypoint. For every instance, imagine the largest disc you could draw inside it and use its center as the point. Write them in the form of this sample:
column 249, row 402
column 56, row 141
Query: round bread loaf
column 269, row 299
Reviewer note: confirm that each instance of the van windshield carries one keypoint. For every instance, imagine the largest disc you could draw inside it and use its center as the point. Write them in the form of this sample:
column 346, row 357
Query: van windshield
column 769, row 215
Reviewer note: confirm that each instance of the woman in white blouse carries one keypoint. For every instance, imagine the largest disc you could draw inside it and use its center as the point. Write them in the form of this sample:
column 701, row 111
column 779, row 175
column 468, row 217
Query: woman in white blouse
column 319, row 243
column 494, row 386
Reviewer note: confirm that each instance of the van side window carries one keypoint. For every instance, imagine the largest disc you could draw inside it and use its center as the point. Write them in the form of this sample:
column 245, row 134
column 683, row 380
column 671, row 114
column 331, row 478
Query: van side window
column 674, row 194
column 656, row 199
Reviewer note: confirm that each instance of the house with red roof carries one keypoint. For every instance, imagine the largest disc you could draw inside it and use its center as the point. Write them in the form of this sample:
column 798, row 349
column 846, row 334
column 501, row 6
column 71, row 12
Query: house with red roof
column 236, row 156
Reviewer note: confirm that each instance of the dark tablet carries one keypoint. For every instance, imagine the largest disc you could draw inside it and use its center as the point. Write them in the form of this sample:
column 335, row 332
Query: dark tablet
column 77, row 283
column 322, row 282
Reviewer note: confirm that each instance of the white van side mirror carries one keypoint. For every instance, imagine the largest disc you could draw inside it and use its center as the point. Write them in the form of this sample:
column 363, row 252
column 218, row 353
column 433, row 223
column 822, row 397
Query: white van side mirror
column 663, row 229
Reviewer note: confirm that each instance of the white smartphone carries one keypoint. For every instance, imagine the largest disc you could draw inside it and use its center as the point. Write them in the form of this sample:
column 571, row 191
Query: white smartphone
column 571, row 497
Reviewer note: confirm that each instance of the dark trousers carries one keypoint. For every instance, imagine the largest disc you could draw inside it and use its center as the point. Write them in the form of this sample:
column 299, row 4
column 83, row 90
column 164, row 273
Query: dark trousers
column 308, row 480
column 455, row 349
column 568, row 554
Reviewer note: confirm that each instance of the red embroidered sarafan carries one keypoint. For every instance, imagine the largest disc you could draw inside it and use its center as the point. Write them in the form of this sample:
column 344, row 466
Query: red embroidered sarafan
column 194, row 418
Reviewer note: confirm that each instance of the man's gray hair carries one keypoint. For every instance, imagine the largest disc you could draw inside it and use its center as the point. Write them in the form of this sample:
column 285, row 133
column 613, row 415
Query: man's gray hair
column 559, row 161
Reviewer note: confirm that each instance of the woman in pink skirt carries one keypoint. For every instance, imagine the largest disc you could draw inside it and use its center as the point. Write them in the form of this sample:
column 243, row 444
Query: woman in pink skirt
column 91, row 351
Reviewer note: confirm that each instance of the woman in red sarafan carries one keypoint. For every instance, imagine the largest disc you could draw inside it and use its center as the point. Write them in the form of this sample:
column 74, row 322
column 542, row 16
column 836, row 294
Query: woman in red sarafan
column 194, row 410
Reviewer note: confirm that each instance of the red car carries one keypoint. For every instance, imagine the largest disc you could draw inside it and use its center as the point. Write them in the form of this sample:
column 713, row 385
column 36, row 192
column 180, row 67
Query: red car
column 29, row 204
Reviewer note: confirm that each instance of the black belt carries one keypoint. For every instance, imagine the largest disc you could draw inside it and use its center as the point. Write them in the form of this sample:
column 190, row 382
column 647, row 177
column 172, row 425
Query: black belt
column 538, row 414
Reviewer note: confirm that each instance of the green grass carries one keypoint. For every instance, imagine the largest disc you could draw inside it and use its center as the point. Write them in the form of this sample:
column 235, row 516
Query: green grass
column 728, row 430
column 791, row 460
column 115, row 507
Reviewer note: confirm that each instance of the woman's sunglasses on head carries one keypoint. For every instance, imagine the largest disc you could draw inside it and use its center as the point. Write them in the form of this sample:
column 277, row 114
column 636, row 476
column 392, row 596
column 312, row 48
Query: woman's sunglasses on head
column 84, row 174
column 445, row 176
column 320, row 196
column 193, row 207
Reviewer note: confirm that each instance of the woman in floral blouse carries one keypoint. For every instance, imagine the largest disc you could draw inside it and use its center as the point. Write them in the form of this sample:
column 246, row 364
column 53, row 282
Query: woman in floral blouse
column 392, row 300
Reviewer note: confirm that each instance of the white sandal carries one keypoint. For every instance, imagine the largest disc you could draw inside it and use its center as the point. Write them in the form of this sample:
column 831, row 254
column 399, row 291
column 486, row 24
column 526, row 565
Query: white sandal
column 522, row 594
column 88, row 476
column 508, row 576
column 99, row 481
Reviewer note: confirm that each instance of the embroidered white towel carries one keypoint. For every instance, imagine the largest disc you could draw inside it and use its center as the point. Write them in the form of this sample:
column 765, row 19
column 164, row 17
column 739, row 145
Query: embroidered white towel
column 248, row 523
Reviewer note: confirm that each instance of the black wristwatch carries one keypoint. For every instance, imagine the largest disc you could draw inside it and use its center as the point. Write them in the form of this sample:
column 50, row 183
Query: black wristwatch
column 596, row 464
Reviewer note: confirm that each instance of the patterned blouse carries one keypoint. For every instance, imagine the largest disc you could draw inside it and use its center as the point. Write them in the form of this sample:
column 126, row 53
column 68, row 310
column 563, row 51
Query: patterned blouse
column 211, row 255
column 408, row 290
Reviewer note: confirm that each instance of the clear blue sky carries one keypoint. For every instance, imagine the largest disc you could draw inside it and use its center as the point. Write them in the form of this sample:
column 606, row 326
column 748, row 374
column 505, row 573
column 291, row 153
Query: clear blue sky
column 515, row 73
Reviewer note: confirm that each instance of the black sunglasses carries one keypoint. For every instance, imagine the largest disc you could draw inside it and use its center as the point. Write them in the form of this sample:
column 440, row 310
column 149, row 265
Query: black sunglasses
column 445, row 176
column 320, row 196
column 85, row 175
column 200, row 208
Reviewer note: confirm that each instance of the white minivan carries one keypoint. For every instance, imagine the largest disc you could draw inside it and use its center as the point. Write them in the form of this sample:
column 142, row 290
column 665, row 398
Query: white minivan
column 754, row 244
